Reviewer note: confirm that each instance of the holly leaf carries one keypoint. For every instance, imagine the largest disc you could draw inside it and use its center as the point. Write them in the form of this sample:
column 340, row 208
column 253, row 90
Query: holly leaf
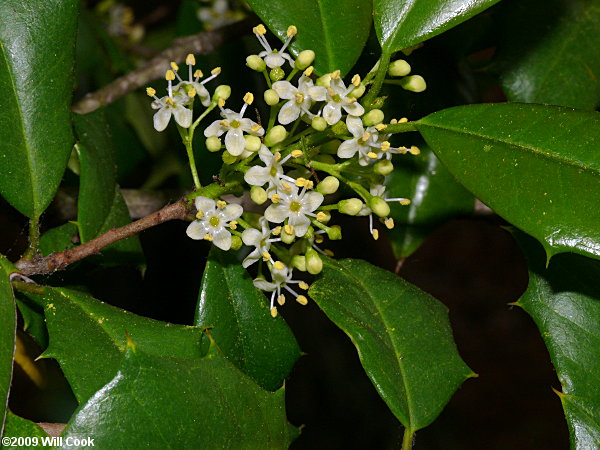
column 8, row 330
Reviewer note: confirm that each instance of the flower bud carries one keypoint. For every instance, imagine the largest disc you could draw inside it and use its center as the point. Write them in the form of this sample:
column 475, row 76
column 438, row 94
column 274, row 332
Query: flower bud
column 318, row 123
column 287, row 238
column 213, row 144
column 325, row 80
column 228, row 158
column 314, row 264
column 383, row 167
column 277, row 74
column 329, row 185
column 358, row 91
column 414, row 83
column 310, row 233
column 305, row 58
column 373, row 117
column 222, row 91
column 324, row 216
column 271, row 97
column 334, row 233
column 379, row 206
column 275, row 135
column 351, row 206
column 255, row 62
column 253, row 143
column 299, row 262
column 340, row 128
column 399, row 68
column 236, row 242
column 258, row 195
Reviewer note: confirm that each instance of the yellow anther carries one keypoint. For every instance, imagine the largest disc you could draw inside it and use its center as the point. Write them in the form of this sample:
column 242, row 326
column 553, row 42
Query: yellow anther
column 372, row 155
column 190, row 60
column 385, row 146
column 233, row 224
column 274, row 312
column 301, row 182
column 375, row 234
column 170, row 101
column 224, row 123
column 275, row 198
column 309, row 70
column 303, row 285
column 287, row 187
column 255, row 128
column 319, row 239
column 266, row 256
column 169, row 75
column 321, row 216
column 331, row 91
column 414, row 150
column 403, row 120
column 199, row 214
column 174, row 66
column 279, row 265
column 208, row 237
column 297, row 153
column 309, row 184
column 329, row 252
column 259, row 29
column 221, row 204
column 405, row 202
column 151, row 92
column 394, row 121
column 335, row 74
column 289, row 229
column 402, row 150
column 302, row 300
column 216, row 71
column 281, row 299
column 350, row 100
column 192, row 92
column 292, row 31
column 389, row 223
column 249, row 98
column 366, row 136
column 277, row 156
column 299, row 97
column 198, row 73
column 221, row 102
column 276, row 231
column 356, row 80
column 380, row 127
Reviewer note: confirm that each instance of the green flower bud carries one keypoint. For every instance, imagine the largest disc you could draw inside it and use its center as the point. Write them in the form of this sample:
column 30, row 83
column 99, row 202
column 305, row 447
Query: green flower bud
column 314, row 264
column 414, row 83
column 334, row 233
column 329, row 185
column 324, row 216
column 383, row 167
column 399, row 68
column 275, row 135
column 299, row 262
column 358, row 91
column 277, row 74
column 236, row 242
column 286, row 237
column 228, row 158
column 255, row 62
column 340, row 128
column 304, row 59
column 325, row 80
column 213, row 144
column 222, row 91
column 351, row 206
column 253, row 143
column 379, row 206
column 271, row 97
column 258, row 195
column 318, row 123
column 310, row 233
column 373, row 117
column 327, row 159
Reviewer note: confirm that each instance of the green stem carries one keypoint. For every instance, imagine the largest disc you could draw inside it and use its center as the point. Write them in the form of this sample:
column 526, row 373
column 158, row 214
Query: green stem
column 407, row 440
column 292, row 73
column 34, row 238
column 400, row 128
column 215, row 190
column 267, row 78
column 384, row 62
column 190, row 153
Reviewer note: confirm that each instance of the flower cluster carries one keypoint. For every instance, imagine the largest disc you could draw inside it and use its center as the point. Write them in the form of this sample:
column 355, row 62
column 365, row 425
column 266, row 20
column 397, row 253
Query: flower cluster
column 318, row 136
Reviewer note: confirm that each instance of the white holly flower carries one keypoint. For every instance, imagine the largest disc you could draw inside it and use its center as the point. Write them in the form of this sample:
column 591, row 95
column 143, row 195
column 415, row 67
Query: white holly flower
column 295, row 206
column 261, row 240
column 273, row 57
column 337, row 96
column 193, row 87
column 217, row 15
column 272, row 173
column 378, row 190
column 363, row 143
column 300, row 98
column 213, row 219
column 281, row 276
column 235, row 125
column 172, row 104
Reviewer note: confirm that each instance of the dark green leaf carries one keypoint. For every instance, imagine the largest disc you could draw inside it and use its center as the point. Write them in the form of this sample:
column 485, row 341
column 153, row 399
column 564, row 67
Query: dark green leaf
column 402, row 24
column 402, row 335
column 8, row 330
column 238, row 314
column 34, row 321
column 88, row 338
column 58, row 239
column 37, row 41
column 202, row 403
column 550, row 52
column 336, row 30
column 18, row 427
column 536, row 166
column 435, row 195
column 564, row 302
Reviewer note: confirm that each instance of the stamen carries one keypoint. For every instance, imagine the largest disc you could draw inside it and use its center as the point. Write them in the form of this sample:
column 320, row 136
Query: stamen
column 281, row 299
column 233, row 224
column 216, row 71
column 287, row 187
column 279, row 265
column 276, row 231
column 208, row 237
column 277, row 156
column 289, row 229
column 296, row 153
column 248, row 98
column 303, row 285
column 385, row 146
column 255, row 128
column 199, row 214
column 266, row 256
column 221, row 204
column 335, row 74
column 151, row 92
column 224, row 123
column 275, row 198
column 350, row 100
column 192, row 92
column 309, row 70
column 174, row 66
column 274, row 312
column 301, row 182
column 403, row 120
column 319, row 239
column 292, row 31
column 190, row 60
column 321, row 216
column 259, row 29
column 366, row 136
column 380, row 127
column 389, row 223
column 394, row 121
column 302, row 300
column 330, row 253
column 414, row 150
column 405, row 202
column 375, row 234
column 198, row 74
column 356, row 80
column 221, row 102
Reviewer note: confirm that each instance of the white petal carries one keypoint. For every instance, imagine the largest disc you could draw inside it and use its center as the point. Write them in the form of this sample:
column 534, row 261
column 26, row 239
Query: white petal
column 247, row 125
column 354, row 109
column 355, row 126
column 161, row 118
column 235, row 142
column 318, row 93
column 288, row 113
column 312, row 200
column 196, row 230
column 183, row 116
column 347, row 149
column 232, row 211
column 222, row 239
column 274, row 60
column 264, row 285
column 205, row 204
column 251, row 236
column 300, row 223
column 214, row 129
column 332, row 113
column 265, row 155
column 257, row 176
column 276, row 213
column 251, row 258
column 285, row 89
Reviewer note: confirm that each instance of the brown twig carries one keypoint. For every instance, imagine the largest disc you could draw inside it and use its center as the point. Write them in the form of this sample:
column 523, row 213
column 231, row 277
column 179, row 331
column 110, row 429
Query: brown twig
column 58, row 261
column 201, row 43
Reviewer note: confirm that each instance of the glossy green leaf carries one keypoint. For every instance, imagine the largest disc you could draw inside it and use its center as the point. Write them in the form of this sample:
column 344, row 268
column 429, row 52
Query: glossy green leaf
column 240, row 322
column 402, row 24
column 402, row 335
column 564, row 302
column 58, row 238
column 202, row 403
column 435, row 195
column 88, row 337
column 536, row 166
column 336, row 30
column 34, row 322
column 550, row 52
column 37, row 41
column 17, row 427
column 8, row 330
